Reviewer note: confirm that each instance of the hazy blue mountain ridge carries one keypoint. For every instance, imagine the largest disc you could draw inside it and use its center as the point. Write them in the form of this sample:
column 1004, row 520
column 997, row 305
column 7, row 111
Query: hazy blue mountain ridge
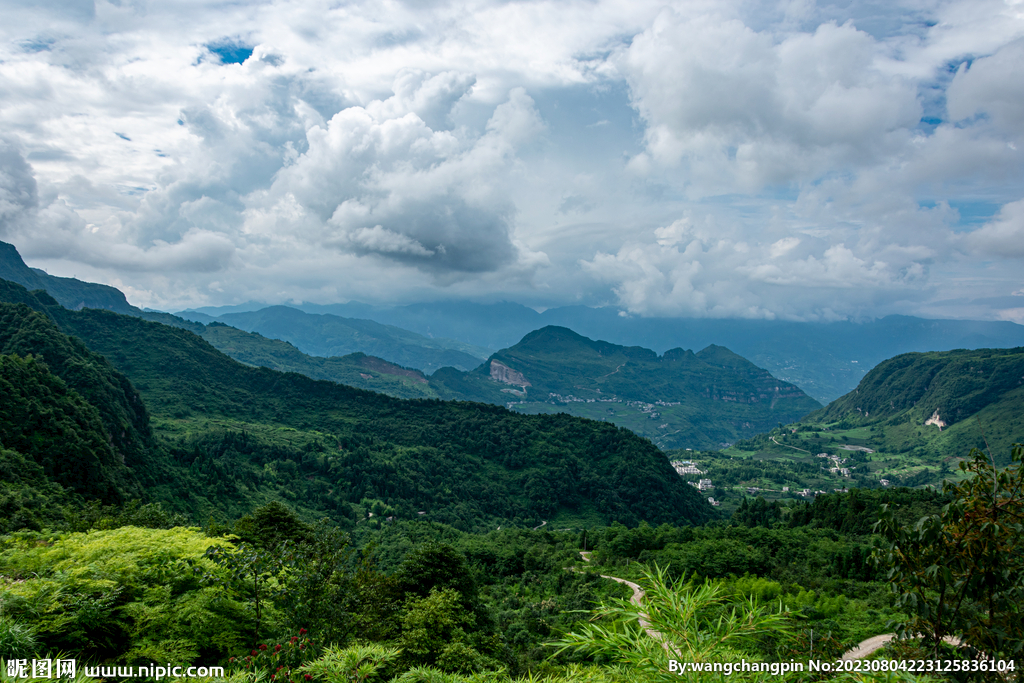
column 332, row 335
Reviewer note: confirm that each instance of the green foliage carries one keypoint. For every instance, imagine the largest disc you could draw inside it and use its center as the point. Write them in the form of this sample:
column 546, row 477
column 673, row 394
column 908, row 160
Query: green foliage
column 436, row 566
column 435, row 632
column 272, row 524
column 681, row 620
column 54, row 426
column 355, row 664
column 133, row 513
column 126, row 592
column 28, row 498
column 17, row 640
column 856, row 512
column 250, row 572
column 319, row 584
column 758, row 513
column 720, row 396
column 961, row 572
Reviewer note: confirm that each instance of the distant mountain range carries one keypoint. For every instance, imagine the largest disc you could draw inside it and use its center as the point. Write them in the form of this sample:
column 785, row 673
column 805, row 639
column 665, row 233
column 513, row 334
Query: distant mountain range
column 330, row 335
column 716, row 396
column 162, row 411
column 826, row 360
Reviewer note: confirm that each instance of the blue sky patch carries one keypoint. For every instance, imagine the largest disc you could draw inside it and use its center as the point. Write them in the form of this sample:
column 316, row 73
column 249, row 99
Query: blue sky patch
column 230, row 52
column 972, row 212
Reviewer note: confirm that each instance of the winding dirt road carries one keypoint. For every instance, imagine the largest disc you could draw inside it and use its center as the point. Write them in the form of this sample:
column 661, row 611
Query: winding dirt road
column 636, row 599
column 788, row 446
column 862, row 650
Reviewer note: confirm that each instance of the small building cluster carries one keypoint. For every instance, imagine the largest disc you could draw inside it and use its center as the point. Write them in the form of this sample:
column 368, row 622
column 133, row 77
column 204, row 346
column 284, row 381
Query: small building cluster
column 685, row 467
column 835, row 464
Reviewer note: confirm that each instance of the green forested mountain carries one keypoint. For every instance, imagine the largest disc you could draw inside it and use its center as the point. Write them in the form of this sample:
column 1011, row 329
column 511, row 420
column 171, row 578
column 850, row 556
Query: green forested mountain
column 105, row 414
column 680, row 399
column 70, row 292
column 939, row 403
column 825, row 359
column 354, row 369
column 910, row 420
column 230, row 436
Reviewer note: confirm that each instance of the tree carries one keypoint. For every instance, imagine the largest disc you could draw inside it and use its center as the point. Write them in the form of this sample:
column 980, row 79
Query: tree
column 316, row 585
column 435, row 632
column 961, row 572
column 436, row 566
column 251, row 572
column 270, row 525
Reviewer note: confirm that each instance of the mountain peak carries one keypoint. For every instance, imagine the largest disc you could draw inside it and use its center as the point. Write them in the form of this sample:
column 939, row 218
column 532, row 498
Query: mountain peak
column 68, row 291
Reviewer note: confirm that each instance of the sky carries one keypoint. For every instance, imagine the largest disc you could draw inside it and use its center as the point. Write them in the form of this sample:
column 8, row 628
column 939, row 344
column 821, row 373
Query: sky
column 790, row 160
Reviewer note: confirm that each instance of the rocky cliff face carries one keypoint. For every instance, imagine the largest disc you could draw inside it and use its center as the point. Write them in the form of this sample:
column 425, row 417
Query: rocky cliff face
column 506, row 375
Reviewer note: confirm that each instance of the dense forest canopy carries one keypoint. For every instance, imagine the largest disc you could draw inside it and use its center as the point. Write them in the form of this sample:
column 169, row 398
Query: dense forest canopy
column 228, row 436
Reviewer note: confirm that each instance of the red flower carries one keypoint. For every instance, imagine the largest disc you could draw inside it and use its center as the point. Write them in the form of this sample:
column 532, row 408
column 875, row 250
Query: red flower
column 232, row 659
column 308, row 677
column 303, row 631
column 302, row 647
column 263, row 647
column 277, row 648
column 295, row 639
column 254, row 653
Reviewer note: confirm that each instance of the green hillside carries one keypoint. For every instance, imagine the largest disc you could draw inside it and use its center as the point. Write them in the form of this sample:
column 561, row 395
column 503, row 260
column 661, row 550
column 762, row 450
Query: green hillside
column 318, row 335
column 89, row 385
column 936, row 405
column 911, row 419
column 231, row 436
column 355, row 369
column 680, row 399
column 42, row 419
column 71, row 293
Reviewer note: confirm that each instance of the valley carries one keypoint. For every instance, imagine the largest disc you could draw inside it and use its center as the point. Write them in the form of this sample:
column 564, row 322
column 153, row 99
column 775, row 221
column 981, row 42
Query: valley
column 512, row 342
column 380, row 494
